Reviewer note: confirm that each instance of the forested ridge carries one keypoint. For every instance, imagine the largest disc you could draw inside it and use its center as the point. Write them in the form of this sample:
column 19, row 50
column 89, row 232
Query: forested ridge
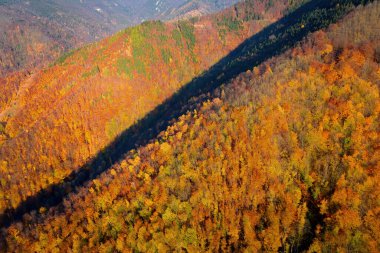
column 69, row 112
column 284, row 157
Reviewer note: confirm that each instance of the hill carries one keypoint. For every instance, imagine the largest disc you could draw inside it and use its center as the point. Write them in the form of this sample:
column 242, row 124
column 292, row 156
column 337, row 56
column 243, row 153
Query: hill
column 33, row 33
column 284, row 157
column 67, row 114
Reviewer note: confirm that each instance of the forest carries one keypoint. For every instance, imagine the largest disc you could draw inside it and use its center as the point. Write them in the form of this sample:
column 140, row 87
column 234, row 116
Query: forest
column 71, row 111
column 265, row 140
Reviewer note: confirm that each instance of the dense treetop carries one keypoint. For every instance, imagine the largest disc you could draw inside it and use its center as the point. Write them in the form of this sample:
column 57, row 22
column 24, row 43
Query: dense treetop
column 285, row 157
column 55, row 120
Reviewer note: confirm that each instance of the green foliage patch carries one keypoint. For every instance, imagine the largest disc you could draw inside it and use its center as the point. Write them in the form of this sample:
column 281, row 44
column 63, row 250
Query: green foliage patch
column 187, row 31
column 64, row 57
column 166, row 55
column 123, row 66
column 176, row 35
column 231, row 24
column 95, row 70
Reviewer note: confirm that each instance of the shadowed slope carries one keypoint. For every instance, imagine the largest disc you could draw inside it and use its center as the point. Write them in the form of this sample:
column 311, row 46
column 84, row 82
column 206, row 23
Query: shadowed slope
column 271, row 41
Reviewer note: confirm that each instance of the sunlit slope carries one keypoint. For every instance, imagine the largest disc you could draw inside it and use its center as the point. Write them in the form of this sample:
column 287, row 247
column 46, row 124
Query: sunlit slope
column 70, row 111
column 285, row 157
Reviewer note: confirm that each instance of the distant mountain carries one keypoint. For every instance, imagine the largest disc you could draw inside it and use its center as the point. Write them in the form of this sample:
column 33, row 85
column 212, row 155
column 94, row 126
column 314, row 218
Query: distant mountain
column 34, row 32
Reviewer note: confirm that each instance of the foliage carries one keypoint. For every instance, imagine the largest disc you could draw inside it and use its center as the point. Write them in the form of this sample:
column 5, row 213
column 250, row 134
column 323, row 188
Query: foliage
column 61, row 117
column 63, row 57
column 124, row 66
column 284, row 157
column 95, row 70
column 187, row 31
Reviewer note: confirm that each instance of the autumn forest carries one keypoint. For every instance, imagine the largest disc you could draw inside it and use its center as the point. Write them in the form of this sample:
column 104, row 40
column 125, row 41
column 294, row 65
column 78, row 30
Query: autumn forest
column 255, row 128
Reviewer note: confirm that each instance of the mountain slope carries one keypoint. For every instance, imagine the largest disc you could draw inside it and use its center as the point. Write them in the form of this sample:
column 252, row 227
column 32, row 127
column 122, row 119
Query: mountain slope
column 71, row 111
column 284, row 157
column 35, row 32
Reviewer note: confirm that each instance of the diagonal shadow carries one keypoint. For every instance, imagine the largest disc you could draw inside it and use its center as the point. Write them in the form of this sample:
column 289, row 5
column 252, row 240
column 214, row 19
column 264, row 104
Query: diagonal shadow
column 271, row 41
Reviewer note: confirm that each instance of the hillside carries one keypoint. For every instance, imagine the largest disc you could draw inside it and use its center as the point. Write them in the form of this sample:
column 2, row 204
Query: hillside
column 67, row 114
column 35, row 32
column 284, row 157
